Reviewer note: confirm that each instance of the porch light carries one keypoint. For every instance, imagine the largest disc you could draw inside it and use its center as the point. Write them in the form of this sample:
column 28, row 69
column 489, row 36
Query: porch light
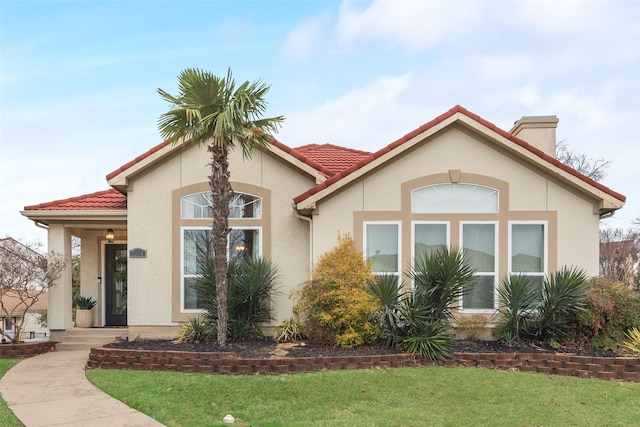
column 109, row 235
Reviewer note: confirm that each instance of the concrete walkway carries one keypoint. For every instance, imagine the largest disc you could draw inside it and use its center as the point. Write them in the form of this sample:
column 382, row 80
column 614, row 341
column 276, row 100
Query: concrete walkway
column 52, row 390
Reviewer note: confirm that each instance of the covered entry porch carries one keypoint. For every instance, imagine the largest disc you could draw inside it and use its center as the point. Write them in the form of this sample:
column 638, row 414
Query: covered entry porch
column 91, row 233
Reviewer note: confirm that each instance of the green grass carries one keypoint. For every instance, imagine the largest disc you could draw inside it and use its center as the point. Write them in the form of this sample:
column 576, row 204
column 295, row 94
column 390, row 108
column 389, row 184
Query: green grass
column 431, row 396
column 7, row 419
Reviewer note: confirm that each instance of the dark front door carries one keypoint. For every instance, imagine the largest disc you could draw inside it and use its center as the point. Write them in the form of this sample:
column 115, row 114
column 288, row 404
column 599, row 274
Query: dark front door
column 115, row 285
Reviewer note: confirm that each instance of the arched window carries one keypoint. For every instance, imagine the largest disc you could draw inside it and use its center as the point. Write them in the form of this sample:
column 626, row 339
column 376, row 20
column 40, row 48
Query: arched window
column 199, row 205
column 454, row 198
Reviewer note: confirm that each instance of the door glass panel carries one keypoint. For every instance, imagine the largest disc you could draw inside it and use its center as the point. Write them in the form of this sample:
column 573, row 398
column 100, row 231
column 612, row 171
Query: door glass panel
column 118, row 269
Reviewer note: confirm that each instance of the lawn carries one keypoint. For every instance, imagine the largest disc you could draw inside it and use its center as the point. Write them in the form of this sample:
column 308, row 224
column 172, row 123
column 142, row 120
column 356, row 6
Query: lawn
column 433, row 396
column 7, row 419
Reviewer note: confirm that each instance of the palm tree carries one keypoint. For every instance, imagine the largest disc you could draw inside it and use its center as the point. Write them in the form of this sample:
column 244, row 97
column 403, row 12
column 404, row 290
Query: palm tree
column 212, row 110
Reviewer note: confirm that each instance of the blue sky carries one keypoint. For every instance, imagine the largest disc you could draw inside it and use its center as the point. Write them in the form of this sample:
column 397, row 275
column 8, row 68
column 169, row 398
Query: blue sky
column 78, row 78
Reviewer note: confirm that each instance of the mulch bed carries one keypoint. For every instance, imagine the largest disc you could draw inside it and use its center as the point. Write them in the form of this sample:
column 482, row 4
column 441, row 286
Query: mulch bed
column 264, row 347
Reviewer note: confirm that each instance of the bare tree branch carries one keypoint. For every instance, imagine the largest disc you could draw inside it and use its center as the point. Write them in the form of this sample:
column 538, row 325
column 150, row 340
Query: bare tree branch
column 25, row 276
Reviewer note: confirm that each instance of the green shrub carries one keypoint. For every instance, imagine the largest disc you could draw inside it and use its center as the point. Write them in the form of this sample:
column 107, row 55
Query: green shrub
column 611, row 310
column 289, row 330
column 335, row 305
column 518, row 297
column 251, row 283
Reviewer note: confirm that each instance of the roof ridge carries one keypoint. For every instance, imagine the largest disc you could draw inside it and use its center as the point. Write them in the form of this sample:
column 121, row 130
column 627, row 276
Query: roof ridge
column 310, row 146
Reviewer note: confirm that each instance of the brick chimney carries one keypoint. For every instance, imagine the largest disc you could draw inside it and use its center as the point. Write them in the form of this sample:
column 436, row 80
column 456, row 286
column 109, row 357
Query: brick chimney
column 539, row 131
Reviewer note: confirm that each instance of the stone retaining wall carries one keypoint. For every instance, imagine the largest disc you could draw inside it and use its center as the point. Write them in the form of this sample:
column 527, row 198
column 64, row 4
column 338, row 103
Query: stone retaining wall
column 25, row 350
column 618, row 368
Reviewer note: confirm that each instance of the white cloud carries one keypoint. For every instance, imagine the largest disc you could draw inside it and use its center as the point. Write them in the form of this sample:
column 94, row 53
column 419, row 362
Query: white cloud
column 306, row 38
column 367, row 118
column 414, row 25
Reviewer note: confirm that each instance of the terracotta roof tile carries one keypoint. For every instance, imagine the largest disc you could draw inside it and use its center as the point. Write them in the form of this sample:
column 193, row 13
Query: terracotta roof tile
column 332, row 157
column 107, row 200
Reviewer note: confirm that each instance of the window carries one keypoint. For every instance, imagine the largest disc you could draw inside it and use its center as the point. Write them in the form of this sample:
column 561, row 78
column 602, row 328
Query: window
column 195, row 240
column 429, row 237
column 479, row 248
column 199, row 205
column 197, row 248
column 382, row 247
column 528, row 250
column 454, row 198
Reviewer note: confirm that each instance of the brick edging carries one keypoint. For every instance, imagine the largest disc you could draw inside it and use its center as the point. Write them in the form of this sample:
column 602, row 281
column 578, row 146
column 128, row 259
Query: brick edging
column 617, row 368
column 26, row 350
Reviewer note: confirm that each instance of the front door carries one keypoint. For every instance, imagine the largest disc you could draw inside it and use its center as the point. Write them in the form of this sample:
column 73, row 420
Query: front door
column 115, row 285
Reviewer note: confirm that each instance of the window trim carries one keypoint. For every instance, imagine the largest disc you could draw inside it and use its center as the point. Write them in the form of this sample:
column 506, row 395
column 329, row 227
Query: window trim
column 496, row 265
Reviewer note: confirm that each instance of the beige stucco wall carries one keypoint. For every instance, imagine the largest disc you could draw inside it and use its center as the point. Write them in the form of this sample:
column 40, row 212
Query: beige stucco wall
column 530, row 191
column 152, row 226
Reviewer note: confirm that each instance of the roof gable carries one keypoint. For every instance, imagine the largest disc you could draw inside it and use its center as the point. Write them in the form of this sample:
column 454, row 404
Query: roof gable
column 460, row 115
column 119, row 177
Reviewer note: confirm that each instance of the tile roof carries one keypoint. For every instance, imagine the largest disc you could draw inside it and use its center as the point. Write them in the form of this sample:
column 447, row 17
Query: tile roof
column 16, row 303
column 455, row 110
column 332, row 157
column 107, row 200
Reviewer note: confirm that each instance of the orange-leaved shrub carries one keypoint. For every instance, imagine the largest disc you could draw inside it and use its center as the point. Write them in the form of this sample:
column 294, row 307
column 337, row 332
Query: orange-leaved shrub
column 335, row 306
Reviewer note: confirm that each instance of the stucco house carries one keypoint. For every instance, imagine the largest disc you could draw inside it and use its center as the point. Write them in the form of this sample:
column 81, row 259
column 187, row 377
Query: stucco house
column 457, row 180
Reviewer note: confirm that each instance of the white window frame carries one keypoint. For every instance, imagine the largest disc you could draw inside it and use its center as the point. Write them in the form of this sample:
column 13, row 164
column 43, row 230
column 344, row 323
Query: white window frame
column 545, row 261
column 398, row 225
column 496, row 271
column 182, row 274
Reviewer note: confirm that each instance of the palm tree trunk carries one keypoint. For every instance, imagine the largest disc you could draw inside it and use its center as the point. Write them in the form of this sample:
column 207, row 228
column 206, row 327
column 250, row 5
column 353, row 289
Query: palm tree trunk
column 221, row 195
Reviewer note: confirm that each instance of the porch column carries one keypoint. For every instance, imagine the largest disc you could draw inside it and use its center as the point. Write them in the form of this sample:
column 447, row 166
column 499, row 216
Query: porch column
column 59, row 316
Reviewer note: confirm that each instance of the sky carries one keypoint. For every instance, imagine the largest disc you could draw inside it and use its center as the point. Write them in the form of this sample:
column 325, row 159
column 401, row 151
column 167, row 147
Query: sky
column 79, row 78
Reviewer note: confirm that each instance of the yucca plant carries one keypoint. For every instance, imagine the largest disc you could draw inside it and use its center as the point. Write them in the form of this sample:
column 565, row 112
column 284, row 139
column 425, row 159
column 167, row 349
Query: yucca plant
column 518, row 298
column 196, row 330
column 632, row 345
column 289, row 330
column 440, row 279
column 386, row 290
column 564, row 295
column 252, row 283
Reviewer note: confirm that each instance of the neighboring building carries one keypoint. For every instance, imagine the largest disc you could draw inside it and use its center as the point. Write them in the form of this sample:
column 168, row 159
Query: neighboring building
column 14, row 304
column 31, row 329
column 458, row 180
column 619, row 262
